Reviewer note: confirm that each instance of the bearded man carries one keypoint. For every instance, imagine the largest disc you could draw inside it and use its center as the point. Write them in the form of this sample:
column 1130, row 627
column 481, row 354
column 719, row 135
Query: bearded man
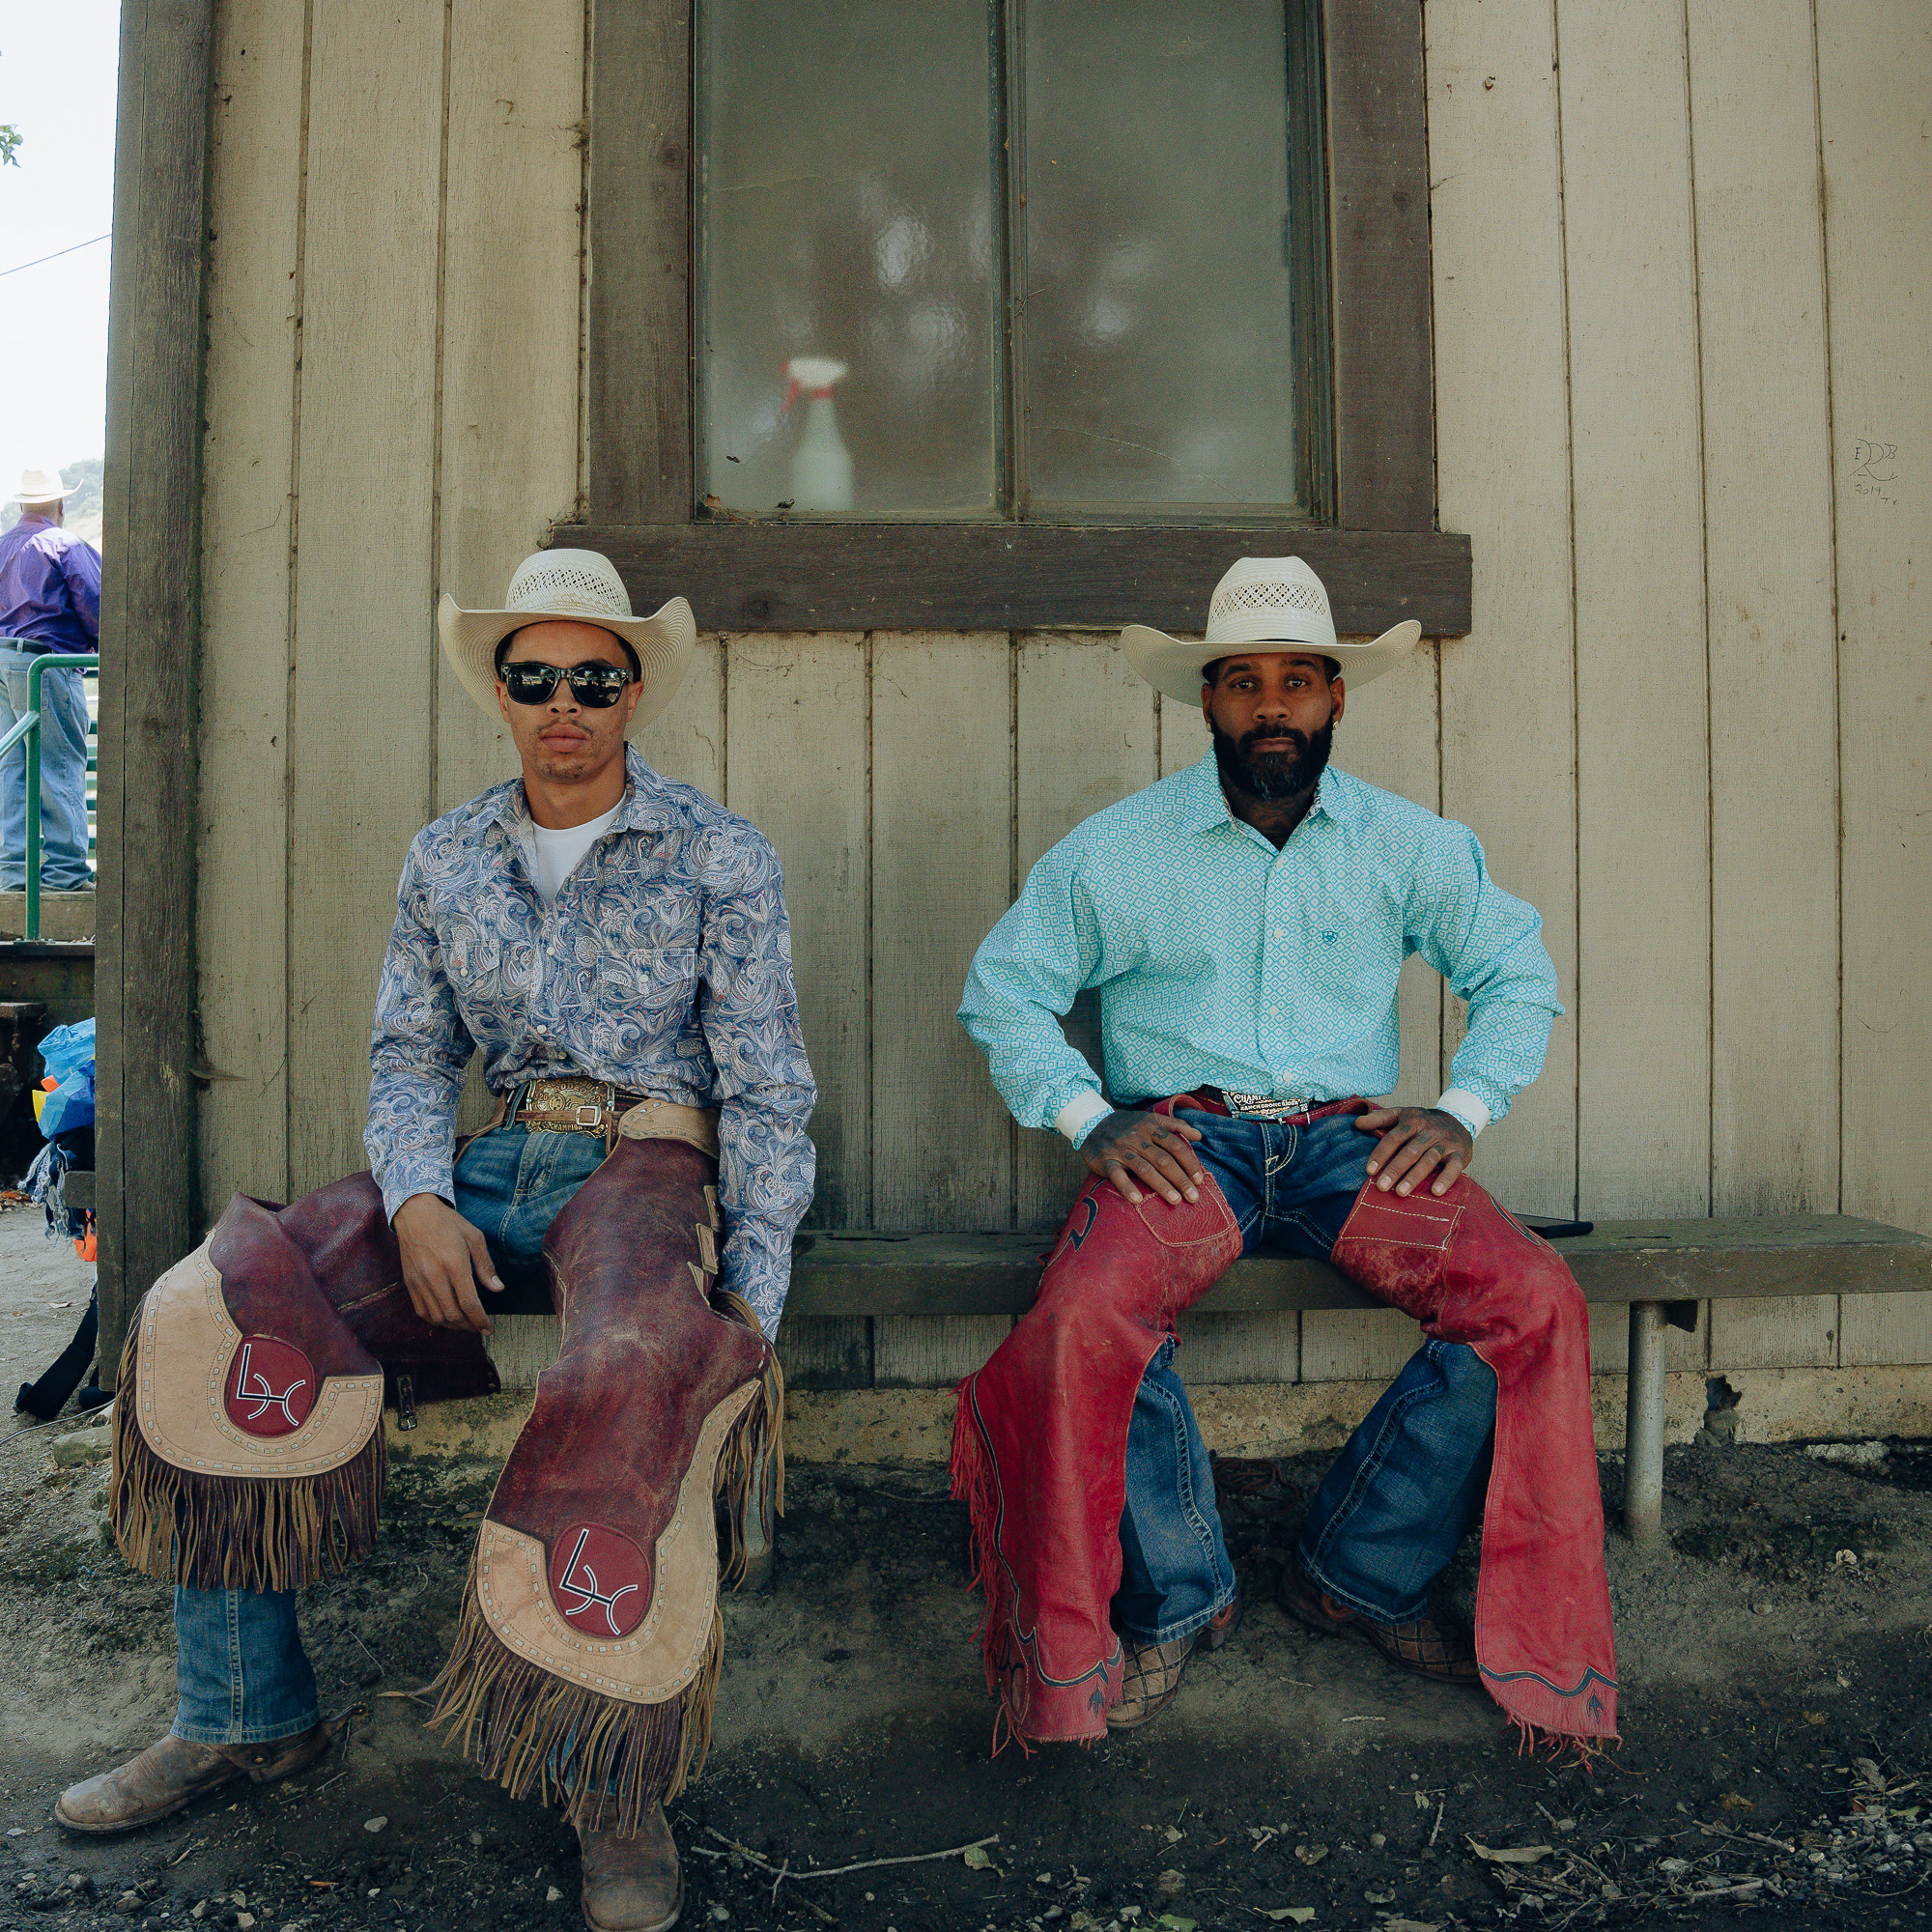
column 616, row 946
column 1244, row 923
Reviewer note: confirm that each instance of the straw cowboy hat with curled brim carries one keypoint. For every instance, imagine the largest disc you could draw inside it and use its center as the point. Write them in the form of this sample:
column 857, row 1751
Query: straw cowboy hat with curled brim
column 1273, row 602
column 574, row 586
column 43, row 486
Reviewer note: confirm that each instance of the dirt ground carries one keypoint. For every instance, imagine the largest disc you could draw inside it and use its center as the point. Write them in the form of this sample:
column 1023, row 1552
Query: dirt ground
column 43, row 1292
column 1775, row 1653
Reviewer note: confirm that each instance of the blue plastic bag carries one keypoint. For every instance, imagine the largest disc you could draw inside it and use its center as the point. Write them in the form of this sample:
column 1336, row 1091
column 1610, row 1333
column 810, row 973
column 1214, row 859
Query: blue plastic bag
column 65, row 1047
column 70, row 1105
column 67, row 1055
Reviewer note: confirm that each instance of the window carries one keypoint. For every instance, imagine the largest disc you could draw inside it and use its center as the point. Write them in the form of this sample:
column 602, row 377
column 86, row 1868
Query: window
column 995, row 314
column 958, row 259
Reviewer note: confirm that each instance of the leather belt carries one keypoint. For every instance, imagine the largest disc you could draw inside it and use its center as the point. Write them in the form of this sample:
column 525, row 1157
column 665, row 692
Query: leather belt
column 571, row 1106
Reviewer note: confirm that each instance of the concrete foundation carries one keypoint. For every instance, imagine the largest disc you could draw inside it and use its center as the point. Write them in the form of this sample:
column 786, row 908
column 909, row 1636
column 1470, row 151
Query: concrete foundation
column 1270, row 1419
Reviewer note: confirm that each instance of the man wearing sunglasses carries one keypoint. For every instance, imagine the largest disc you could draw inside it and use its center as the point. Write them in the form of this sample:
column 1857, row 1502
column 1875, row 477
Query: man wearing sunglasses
column 615, row 947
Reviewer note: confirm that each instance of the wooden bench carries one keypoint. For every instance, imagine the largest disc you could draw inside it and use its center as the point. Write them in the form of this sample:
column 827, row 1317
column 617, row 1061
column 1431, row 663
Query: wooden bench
column 1660, row 1270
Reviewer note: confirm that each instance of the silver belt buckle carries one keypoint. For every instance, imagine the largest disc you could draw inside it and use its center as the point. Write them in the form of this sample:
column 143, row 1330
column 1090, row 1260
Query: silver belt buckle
column 1262, row 1106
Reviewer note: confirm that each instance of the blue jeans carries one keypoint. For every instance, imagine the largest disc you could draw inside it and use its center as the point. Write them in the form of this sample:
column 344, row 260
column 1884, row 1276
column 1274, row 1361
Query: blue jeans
column 241, row 1673
column 1390, row 1513
column 64, row 866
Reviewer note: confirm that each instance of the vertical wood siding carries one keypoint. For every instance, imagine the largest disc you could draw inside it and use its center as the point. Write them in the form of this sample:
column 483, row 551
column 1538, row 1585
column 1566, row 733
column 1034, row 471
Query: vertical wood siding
column 1683, row 307
column 1502, row 440
column 1767, row 562
column 1875, row 80
column 1643, row 984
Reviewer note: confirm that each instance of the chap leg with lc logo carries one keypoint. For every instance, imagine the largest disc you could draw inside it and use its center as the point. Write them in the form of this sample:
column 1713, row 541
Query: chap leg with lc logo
column 249, row 1462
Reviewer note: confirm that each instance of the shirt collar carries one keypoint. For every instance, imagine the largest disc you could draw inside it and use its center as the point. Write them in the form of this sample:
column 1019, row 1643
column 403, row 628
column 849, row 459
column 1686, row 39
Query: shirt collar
column 1207, row 804
column 645, row 806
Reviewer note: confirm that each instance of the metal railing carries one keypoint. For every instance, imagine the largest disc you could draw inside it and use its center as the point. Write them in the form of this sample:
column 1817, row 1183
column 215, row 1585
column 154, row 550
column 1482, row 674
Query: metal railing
column 28, row 726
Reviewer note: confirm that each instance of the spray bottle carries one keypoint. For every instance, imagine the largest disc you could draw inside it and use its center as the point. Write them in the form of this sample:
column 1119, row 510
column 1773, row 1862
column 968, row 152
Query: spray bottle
column 822, row 465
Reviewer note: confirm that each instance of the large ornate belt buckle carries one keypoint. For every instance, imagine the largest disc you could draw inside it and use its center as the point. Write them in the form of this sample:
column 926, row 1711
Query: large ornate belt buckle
column 1262, row 1106
column 568, row 1106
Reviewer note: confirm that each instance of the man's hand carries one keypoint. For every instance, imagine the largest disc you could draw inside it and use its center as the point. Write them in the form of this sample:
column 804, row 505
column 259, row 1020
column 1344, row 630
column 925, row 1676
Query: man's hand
column 443, row 1259
column 1415, row 1143
column 1155, row 1147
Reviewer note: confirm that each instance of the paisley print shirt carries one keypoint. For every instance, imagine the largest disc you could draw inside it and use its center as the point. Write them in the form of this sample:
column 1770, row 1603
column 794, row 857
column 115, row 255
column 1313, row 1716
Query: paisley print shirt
column 663, row 966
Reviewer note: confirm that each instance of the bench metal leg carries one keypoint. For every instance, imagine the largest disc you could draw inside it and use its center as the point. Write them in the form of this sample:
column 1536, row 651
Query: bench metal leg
column 1643, row 1424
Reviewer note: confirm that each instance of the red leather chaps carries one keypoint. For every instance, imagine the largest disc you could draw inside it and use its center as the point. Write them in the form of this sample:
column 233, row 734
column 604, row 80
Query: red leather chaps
column 1469, row 1273
column 248, row 1453
column 1039, row 1448
column 1040, row 1445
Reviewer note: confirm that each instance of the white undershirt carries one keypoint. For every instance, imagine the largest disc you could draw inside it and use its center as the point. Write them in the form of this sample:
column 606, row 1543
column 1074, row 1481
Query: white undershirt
column 560, row 852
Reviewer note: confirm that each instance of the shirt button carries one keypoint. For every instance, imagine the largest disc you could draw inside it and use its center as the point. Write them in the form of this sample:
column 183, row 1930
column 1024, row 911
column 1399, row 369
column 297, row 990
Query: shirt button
column 1274, row 1012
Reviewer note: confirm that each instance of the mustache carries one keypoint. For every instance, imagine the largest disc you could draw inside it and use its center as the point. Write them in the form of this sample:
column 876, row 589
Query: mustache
column 1248, row 740
column 1271, row 777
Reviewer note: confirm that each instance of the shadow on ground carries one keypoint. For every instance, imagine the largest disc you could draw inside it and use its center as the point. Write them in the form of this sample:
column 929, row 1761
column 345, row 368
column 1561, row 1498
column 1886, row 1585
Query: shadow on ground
column 1773, row 1654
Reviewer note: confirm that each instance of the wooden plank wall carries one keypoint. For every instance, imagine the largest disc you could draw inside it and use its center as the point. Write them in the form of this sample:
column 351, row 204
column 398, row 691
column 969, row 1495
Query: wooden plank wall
column 1681, row 318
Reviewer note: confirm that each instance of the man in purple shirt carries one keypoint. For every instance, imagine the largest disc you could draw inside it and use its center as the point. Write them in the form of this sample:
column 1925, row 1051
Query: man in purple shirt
column 50, row 601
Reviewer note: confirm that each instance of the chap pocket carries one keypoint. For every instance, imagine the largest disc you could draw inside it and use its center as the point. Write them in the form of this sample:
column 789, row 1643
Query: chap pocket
column 1396, row 1222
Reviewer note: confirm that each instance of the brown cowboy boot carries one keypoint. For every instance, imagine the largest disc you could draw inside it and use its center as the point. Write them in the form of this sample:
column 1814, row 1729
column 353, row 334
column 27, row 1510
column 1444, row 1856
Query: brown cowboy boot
column 632, row 1883
column 1428, row 1648
column 176, row 1771
column 1222, row 1627
column 1150, row 1682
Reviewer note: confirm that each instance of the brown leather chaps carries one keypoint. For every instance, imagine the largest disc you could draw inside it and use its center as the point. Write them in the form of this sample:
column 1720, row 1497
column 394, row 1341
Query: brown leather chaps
column 248, row 1453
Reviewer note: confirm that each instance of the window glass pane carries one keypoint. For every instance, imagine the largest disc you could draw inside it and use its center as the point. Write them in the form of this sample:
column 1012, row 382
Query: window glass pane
column 1158, row 357
column 848, row 211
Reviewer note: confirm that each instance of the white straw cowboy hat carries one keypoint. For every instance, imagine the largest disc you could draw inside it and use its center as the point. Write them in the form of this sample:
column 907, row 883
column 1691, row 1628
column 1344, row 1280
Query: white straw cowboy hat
column 1277, row 601
column 583, row 588
column 41, row 486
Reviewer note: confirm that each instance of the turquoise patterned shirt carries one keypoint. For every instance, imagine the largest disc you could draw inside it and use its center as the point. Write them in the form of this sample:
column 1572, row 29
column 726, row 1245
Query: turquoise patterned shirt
column 1223, row 962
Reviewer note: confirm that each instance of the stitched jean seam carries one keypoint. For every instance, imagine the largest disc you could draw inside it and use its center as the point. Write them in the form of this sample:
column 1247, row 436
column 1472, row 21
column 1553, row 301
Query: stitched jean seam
column 235, row 1731
column 1224, row 1595
column 1317, row 1234
column 245, row 1734
column 231, row 1612
column 1371, row 1468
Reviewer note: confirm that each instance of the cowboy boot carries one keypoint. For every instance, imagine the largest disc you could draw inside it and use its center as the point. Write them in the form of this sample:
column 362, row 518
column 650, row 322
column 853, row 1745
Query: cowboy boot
column 174, row 1772
column 632, row 1883
column 1425, row 1646
column 1150, row 1683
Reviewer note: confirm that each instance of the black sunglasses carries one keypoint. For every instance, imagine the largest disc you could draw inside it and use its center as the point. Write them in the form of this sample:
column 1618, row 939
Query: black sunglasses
column 596, row 686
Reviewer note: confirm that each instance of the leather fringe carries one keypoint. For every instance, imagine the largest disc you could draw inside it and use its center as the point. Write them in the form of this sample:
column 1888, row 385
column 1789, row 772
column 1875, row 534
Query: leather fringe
column 533, row 1732
column 976, row 1483
column 237, row 1533
column 1563, row 1750
column 530, row 1730
column 757, row 1441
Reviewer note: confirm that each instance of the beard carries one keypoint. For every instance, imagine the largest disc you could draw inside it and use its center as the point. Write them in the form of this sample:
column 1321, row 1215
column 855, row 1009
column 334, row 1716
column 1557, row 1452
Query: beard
column 1272, row 777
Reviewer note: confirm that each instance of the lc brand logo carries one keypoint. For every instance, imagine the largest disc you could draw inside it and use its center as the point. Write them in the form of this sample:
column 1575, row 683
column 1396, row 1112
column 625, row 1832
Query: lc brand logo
column 271, row 1387
column 599, row 1580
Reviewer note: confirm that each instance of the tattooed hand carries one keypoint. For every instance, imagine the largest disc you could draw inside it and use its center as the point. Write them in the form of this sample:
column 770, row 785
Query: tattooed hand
column 1415, row 1143
column 1154, row 1147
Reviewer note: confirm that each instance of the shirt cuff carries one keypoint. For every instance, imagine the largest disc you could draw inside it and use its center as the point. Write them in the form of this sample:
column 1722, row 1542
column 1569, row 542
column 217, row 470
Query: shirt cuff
column 408, row 1178
column 1465, row 1107
column 1077, row 1118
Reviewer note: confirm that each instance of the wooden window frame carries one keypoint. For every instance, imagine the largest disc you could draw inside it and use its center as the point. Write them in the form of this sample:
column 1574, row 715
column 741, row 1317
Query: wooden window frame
column 1381, row 556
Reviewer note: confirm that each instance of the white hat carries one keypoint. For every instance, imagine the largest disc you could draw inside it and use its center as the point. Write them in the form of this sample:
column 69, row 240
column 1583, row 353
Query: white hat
column 1262, row 600
column 41, row 486
column 579, row 587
